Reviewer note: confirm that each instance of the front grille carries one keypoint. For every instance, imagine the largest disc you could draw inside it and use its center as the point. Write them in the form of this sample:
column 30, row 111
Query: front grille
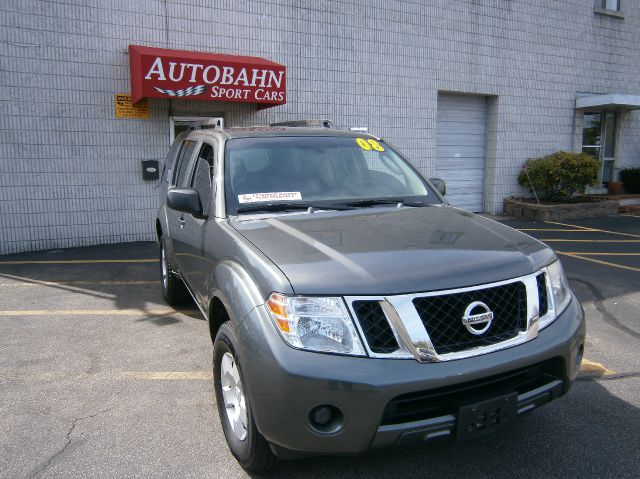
column 422, row 405
column 442, row 316
column 543, row 301
column 375, row 327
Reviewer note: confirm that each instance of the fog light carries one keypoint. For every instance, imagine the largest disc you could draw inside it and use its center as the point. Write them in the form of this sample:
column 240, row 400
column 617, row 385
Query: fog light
column 321, row 415
column 326, row 419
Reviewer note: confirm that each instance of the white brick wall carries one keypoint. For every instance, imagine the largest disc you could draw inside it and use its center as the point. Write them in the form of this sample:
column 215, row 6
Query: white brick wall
column 70, row 171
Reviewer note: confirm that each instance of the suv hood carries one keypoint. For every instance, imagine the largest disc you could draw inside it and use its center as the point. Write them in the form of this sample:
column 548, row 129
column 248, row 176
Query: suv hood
column 392, row 250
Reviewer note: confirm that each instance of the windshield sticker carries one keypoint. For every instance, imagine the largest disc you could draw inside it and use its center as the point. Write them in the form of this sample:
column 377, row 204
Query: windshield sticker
column 276, row 196
column 369, row 144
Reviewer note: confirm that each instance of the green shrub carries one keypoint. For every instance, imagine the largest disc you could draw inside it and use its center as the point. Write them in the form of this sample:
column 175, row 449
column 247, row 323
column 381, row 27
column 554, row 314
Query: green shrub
column 561, row 175
column 630, row 178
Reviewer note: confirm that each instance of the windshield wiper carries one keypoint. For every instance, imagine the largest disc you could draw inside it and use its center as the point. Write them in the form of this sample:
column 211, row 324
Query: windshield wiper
column 386, row 201
column 284, row 206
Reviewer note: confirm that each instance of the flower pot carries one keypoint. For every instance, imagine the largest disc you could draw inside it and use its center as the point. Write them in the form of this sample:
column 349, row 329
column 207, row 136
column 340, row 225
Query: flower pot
column 615, row 187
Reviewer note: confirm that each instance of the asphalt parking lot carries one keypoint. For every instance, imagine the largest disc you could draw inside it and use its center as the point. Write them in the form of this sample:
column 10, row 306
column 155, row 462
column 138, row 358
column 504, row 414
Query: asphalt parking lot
column 99, row 378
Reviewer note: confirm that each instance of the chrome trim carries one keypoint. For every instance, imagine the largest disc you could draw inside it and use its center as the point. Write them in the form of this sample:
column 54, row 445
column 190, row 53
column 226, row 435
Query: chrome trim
column 412, row 337
column 469, row 319
column 552, row 312
column 548, row 318
column 401, row 353
column 407, row 325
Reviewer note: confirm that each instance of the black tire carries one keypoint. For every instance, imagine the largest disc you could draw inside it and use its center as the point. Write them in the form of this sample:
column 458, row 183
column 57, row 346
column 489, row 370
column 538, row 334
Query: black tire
column 252, row 452
column 174, row 291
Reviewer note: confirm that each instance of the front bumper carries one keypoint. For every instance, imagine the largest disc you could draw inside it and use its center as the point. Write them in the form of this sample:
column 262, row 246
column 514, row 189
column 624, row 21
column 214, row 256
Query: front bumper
column 386, row 401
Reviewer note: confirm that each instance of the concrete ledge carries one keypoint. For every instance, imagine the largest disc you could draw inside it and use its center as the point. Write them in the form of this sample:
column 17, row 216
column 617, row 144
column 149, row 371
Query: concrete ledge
column 631, row 210
column 561, row 211
column 610, row 13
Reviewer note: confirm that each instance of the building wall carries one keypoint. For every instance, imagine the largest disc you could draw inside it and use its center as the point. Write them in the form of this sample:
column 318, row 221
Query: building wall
column 71, row 170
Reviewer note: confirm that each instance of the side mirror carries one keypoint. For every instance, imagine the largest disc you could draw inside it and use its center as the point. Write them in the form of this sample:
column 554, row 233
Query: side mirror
column 186, row 200
column 439, row 184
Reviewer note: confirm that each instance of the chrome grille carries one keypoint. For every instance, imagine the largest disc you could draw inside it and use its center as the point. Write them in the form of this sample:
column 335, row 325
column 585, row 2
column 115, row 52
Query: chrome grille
column 442, row 317
column 375, row 326
column 428, row 326
column 543, row 300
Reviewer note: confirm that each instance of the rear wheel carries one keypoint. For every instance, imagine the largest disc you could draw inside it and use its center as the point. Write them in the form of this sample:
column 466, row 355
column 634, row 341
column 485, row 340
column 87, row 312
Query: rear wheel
column 173, row 289
column 247, row 445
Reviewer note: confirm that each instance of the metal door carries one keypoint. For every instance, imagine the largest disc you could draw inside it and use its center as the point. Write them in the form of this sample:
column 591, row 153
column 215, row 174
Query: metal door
column 460, row 148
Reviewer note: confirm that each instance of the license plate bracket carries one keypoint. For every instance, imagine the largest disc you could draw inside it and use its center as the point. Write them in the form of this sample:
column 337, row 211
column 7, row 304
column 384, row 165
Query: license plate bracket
column 485, row 417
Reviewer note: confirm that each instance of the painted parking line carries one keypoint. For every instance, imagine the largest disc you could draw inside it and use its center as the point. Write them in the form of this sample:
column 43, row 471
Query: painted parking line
column 566, row 224
column 167, row 375
column 587, row 367
column 584, row 228
column 79, row 261
column 92, row 312
column 598, row 261
column 36, row 282
column 121, row 375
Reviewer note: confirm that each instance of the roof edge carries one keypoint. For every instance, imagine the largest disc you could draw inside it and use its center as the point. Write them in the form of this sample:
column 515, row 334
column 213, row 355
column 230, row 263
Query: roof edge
column 609, row 101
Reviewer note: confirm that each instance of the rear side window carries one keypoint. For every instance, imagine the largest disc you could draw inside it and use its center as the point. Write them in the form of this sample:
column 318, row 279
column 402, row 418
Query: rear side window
column 170, row 160
column 182, row 164
column 202, row 177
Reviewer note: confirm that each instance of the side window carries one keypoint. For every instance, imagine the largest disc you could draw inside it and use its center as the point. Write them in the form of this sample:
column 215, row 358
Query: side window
column 202, row 178
column 170, row 160
column 182, row 164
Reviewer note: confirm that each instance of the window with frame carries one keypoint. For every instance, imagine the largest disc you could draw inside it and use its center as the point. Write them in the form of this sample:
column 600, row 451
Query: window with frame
column 599, row 140
column 182, row 164
column 613, row 5
column 171, row 161
column 202, row 177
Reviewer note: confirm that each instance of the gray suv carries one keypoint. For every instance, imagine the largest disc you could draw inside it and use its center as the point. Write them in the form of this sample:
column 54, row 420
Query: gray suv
column 350, row 307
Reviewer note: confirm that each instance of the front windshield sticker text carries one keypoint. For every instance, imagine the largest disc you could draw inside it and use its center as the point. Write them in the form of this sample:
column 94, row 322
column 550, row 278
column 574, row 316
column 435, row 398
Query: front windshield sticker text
column 369, row 144
column 275, row 196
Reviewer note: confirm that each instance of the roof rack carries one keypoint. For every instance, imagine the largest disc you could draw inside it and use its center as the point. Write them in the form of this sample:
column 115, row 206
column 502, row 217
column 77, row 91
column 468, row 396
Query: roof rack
column 306, row 123
column 216, row 123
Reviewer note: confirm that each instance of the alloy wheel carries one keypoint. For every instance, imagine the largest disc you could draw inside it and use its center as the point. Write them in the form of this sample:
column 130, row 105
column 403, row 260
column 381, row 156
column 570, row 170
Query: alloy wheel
column 233, row 396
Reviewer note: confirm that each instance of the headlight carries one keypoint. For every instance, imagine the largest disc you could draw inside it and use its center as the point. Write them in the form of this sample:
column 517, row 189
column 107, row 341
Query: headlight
column 318, row 324
column 559, row 287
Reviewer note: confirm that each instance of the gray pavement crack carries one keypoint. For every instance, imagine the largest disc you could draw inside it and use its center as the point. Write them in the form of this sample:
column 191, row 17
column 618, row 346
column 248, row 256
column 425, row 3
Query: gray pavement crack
column 598, row 301
column 68, row 440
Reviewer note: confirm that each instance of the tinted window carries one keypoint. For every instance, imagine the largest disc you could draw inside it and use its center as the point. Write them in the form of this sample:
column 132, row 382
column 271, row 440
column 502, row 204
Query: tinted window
column 170, row 160
column 202, row 177
column 182, row 167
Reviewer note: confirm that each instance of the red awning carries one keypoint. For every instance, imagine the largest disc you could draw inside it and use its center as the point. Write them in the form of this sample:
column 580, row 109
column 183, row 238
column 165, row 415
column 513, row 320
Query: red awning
column 164, row 73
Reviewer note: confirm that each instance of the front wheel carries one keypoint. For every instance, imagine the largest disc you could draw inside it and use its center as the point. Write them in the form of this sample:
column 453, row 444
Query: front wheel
column 247, row 445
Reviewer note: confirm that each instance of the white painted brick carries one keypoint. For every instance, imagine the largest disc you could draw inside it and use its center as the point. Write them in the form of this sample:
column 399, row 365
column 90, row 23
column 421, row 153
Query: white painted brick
column 70, row 171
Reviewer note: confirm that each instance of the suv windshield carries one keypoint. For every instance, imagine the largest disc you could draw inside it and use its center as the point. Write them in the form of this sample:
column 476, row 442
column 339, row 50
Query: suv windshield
column 318, row 171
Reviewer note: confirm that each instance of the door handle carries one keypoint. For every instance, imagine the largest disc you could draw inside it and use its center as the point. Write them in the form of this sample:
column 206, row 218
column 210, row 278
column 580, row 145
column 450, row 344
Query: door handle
column 182, row 222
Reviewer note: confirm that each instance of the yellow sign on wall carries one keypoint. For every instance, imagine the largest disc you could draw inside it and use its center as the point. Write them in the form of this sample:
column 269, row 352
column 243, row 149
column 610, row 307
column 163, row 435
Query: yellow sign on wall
column 126, row 109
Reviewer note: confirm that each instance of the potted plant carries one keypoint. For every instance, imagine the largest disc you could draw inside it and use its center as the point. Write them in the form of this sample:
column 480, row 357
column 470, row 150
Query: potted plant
column 615, row 187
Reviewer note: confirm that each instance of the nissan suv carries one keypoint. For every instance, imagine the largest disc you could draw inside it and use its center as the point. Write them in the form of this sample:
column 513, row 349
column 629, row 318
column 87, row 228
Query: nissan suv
column 350, row 306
